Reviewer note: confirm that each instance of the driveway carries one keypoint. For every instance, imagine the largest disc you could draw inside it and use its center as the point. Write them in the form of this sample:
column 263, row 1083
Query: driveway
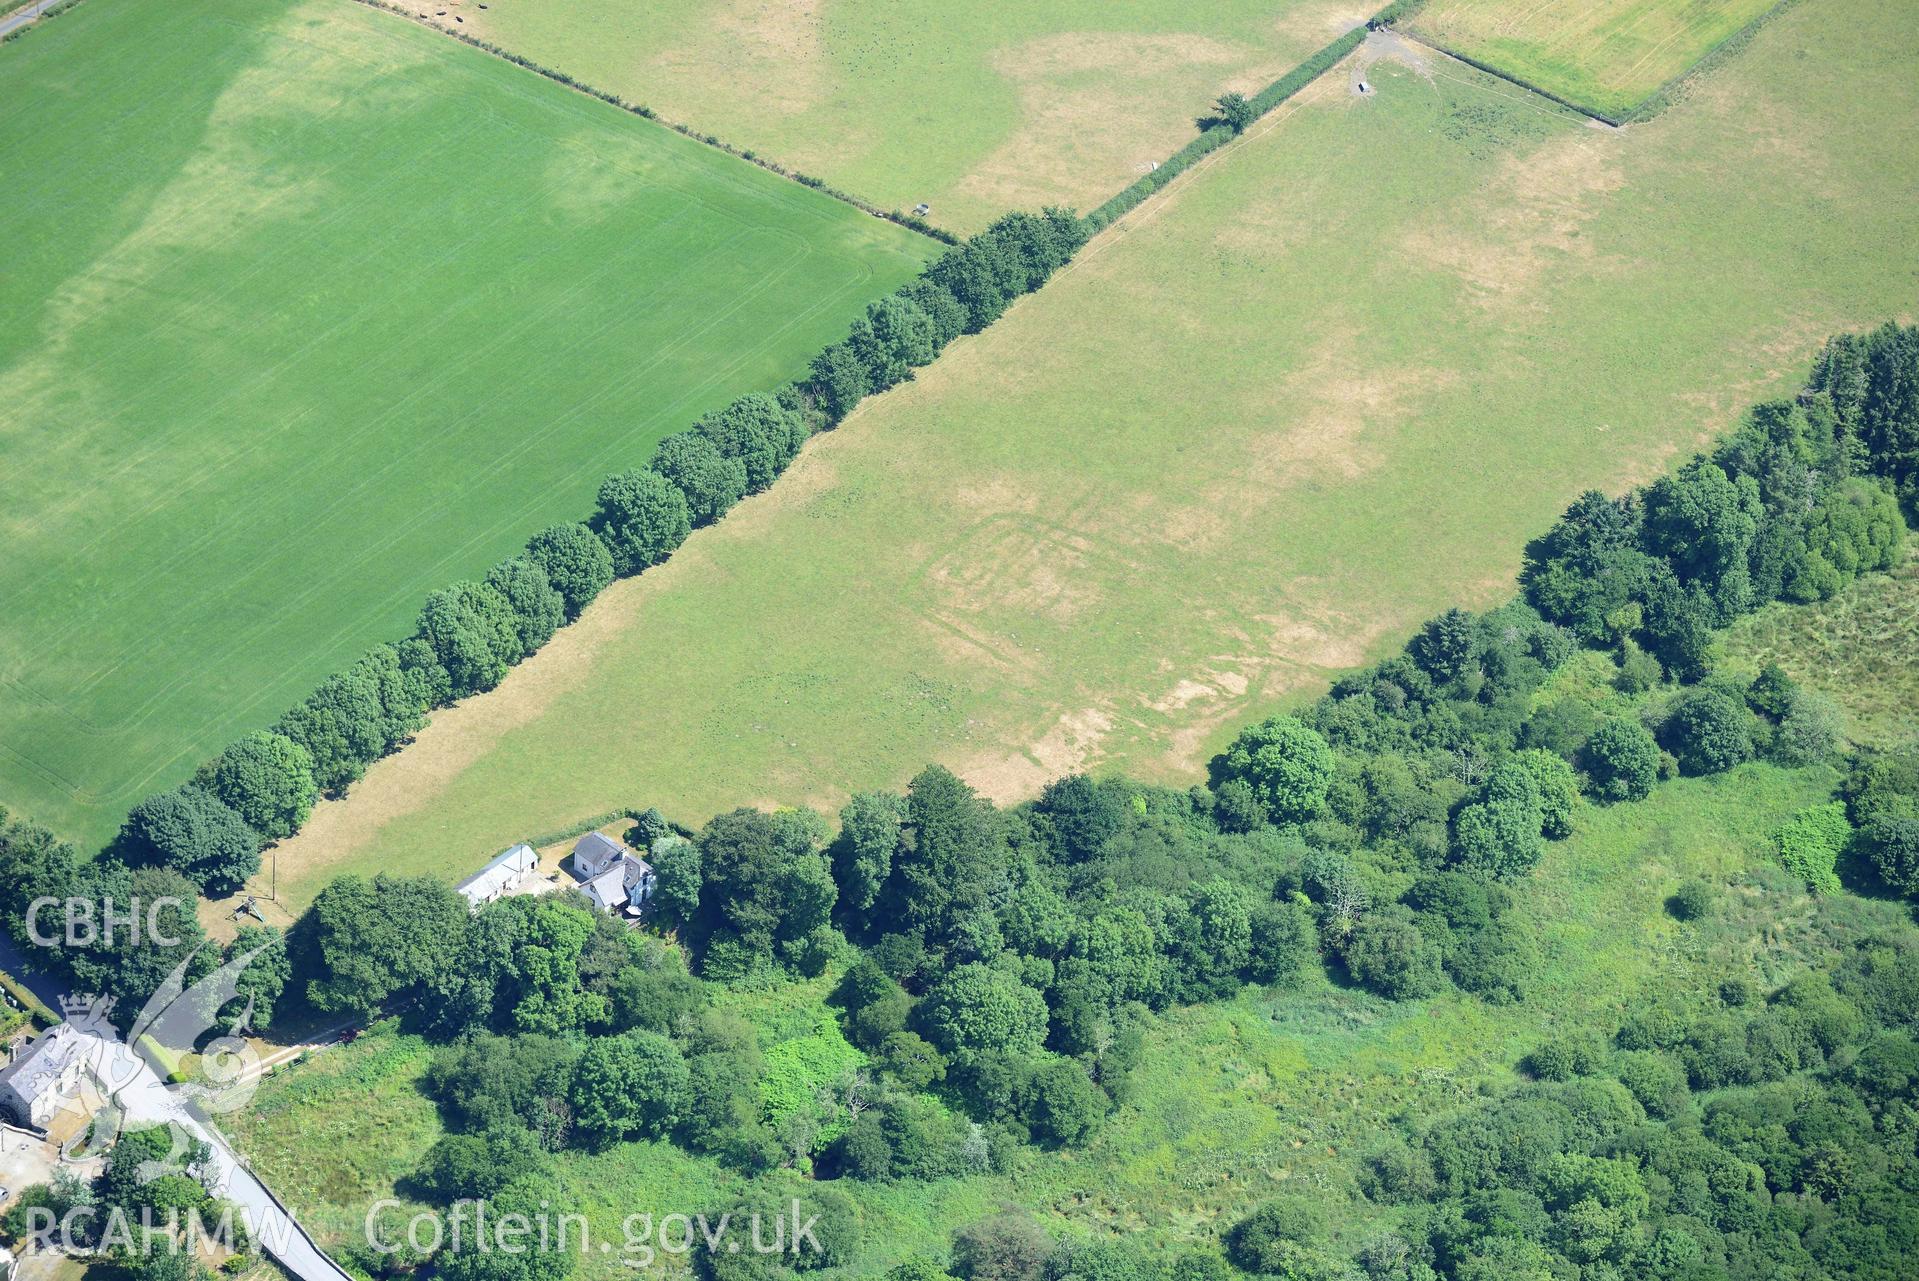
column 129, row 1079
column 25, row 1159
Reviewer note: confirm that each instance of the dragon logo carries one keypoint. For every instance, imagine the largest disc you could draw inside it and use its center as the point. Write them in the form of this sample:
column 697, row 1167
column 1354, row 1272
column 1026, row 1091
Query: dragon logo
column 165, row 1070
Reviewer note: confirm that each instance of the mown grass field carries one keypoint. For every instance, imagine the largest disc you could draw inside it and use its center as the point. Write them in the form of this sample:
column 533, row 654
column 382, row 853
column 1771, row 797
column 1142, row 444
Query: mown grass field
column 1606, row 55
column 1326, row 388
column 306, row 311
column 1278, row 1088
column 975, row 108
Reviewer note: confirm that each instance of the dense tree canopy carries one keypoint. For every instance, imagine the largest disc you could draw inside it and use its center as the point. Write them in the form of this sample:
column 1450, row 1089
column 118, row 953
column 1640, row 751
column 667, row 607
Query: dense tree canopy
column 577, row 563
column 369, row 942
column 536, row 608
column 473, row 632
column 711, row 481
column 267, row 779
column 642, row 517
column 759, row 433
column 195, row 833
column 1288, row 765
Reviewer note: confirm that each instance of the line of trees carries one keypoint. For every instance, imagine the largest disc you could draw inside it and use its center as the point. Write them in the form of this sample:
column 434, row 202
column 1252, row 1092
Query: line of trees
column 470, row 634
column 996, row 967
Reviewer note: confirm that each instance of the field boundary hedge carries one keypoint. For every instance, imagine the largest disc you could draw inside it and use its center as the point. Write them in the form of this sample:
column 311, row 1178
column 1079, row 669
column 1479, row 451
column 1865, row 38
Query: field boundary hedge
column 747, row 154
column 1521, row 82
column 1666, row 94
column 582, row 827
column 1646, row 108
column 1217, row 134
column 471, row 634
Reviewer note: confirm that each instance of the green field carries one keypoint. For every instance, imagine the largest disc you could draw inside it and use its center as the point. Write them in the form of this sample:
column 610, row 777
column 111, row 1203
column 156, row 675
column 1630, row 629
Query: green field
column 306, row 311
column 1234, row 1100
column 1129, row 517
column 975, row 108
column 1861, row 649
column 1606, row 55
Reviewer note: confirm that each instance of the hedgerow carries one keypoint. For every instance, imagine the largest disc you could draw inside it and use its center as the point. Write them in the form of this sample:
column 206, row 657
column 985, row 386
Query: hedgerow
column 612, row 99
column 472, row 633
column 1238, row 113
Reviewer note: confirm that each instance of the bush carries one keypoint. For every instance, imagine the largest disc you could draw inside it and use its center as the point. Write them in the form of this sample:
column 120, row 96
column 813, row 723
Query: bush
column 1060, row 1104
column 1654, row 1079
column 1772, row 691
column 1808, row 733
column 1691, row 901
column 1006, row 1247
column 1708, row 732
column 1564, row 1058
column 1276, row 1238
column 1638, row 670
column 1893, row 846
column 1494, row 963
column 1391, row 955
column 1810, row 844
column 1622, row 761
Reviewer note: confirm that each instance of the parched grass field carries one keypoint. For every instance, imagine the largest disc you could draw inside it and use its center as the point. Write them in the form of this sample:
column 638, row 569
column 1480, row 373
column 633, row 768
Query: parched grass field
column 1234, row 1100
column 1327, row 387
column 306, row 311
column 976, row 108
column 1606, row 55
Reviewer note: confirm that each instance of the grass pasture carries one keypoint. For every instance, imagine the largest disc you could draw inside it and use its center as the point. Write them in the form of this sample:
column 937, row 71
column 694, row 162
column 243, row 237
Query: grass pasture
column 1609, row 56
column 1234, row 1101
column 1325, row 387
column 307, row 311
column 976, row 108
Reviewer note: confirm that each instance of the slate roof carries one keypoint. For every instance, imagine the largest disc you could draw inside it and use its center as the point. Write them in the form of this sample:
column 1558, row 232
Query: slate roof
column 607, row 891
column 39, row 1068
column 496, row 876
column 594, row 853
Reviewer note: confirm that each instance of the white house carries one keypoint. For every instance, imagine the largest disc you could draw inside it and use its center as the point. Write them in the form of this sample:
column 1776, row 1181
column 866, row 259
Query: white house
column 611, row 877
column 43, row 1077
column 500, row 877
